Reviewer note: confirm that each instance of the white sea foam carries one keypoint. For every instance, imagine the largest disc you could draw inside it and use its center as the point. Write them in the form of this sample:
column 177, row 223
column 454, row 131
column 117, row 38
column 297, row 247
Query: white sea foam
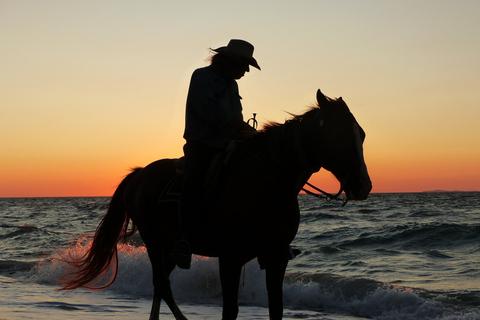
column 315, row 292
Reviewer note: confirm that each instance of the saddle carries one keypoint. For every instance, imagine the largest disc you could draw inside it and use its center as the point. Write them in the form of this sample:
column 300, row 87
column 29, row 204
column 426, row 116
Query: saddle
column 173, row 189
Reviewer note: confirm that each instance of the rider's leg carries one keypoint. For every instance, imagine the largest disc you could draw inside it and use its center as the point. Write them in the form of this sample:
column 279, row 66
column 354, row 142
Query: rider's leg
column 197, row 161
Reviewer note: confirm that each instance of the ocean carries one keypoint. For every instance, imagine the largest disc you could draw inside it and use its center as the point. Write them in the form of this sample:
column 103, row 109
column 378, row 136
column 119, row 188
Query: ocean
column 393, row 256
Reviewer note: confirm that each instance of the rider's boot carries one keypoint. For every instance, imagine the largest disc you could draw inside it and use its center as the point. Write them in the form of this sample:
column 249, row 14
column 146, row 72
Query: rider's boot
column 181, row 254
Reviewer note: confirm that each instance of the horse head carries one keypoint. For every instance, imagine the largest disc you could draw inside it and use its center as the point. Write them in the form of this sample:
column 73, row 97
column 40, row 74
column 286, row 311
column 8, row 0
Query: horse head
column 340, row 146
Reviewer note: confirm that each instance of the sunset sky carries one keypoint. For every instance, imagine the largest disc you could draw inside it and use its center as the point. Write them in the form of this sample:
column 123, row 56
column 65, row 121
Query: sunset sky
column 90, row 89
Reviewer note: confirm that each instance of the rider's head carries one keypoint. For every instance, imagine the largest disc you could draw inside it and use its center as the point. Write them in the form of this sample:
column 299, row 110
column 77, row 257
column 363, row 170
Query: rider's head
column 235, row 59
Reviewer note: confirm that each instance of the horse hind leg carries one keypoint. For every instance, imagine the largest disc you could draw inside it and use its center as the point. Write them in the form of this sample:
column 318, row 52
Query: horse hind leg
column 172, row 305
column 155, row 312
column 162, row 266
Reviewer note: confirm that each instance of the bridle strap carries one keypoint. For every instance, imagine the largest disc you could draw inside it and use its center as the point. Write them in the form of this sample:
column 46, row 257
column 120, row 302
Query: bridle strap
column 309, row 169
column 328, row 196
column 302, row 157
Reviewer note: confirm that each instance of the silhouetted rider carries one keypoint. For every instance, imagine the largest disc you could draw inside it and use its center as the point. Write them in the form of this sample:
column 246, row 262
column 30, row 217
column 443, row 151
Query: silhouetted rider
column 213, row 118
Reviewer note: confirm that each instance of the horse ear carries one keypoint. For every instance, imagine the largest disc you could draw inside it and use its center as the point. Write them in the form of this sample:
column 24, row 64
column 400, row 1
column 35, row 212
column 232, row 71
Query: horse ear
column 321, row 99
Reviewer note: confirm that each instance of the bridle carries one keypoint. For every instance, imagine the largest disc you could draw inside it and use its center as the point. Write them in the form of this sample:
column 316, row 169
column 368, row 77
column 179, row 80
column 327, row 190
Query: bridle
column 301, row 155
column 327, row 196
column 310, row 169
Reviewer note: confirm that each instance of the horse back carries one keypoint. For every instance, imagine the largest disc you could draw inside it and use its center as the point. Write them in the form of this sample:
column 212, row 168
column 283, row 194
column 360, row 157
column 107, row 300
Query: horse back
column 142, row 195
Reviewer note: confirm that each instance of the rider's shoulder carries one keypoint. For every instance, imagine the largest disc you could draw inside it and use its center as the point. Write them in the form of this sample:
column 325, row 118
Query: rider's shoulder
column 206, row 72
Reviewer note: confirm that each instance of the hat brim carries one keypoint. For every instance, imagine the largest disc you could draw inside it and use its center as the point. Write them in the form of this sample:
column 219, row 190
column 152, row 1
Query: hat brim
column 250, row 60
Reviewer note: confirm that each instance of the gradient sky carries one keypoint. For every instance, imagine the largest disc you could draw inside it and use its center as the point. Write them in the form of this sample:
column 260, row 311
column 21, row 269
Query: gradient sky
column 90, row 89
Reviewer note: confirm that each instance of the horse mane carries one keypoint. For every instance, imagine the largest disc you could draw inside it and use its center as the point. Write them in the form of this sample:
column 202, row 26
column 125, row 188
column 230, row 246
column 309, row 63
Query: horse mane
column 272, row 134
column 311, row 111
column 295, row 118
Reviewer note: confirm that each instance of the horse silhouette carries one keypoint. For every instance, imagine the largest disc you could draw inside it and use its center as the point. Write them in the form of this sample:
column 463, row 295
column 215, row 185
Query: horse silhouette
column 253, row 211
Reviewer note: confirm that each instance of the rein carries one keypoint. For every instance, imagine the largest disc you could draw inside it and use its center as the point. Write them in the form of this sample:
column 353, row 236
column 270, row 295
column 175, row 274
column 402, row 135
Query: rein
column 328, row 196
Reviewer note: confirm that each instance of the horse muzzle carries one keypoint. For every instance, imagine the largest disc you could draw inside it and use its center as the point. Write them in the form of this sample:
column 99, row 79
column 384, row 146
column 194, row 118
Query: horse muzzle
column 358, row 186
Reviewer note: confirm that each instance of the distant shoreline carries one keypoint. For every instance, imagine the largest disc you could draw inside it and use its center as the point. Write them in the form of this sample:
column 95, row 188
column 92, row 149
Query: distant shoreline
column 301, row 193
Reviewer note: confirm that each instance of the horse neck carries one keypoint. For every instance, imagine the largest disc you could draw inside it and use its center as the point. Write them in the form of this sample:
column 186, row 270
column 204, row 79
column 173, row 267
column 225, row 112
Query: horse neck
column 282, row 151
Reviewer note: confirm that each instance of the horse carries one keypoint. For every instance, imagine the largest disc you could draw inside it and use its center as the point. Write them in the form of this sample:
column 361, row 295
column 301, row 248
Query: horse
column 252, row 213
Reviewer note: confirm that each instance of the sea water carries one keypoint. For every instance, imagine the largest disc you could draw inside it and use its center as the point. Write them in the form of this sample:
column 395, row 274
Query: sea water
column 393, row 256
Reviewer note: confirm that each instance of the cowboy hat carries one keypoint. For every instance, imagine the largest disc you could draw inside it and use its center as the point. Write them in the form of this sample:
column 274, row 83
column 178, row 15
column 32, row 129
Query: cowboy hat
column 239, row 49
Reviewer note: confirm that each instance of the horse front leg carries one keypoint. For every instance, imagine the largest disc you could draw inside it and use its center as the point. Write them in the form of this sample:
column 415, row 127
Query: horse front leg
column 230, row 271
column 275, row 263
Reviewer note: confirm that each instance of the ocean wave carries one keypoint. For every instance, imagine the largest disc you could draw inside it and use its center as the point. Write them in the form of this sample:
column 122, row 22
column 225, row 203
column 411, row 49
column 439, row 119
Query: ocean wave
column 428, row 244
column 414, row 236
column 357, row 296
column 12, row 266
column 16, row 230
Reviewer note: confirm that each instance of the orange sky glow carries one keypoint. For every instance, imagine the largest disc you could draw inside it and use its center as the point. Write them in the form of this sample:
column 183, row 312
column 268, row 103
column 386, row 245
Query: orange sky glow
column 91, row 89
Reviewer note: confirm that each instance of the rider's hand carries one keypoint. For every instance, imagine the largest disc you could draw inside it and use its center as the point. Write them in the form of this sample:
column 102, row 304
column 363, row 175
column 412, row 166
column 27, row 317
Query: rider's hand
column 248, row 132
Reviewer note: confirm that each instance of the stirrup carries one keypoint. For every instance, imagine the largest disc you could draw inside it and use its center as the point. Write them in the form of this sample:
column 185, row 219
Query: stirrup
column 181, row 254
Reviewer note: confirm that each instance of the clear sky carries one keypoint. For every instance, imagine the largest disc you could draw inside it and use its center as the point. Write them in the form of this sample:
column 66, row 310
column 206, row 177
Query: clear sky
column 90, row 89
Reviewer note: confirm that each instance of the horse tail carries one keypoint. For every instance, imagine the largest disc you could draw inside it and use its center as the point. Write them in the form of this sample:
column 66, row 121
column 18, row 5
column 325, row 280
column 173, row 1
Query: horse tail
column 93, row 267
